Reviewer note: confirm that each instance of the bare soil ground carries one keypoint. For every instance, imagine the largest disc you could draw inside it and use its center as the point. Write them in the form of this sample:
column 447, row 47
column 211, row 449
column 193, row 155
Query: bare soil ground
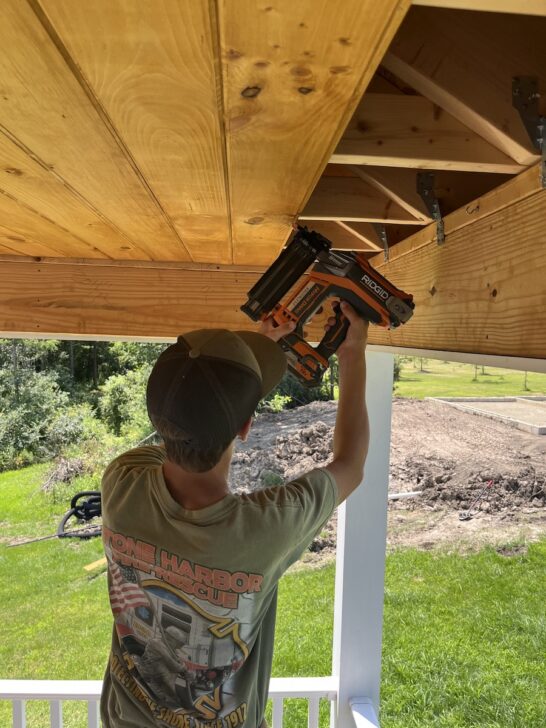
column 461, row 463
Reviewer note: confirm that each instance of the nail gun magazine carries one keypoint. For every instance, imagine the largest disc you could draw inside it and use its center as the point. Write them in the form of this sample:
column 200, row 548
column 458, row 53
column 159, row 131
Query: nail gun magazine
column 335, row 274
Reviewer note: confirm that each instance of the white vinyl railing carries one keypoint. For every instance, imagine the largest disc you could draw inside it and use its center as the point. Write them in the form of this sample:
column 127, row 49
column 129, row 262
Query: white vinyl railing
column 313, row 689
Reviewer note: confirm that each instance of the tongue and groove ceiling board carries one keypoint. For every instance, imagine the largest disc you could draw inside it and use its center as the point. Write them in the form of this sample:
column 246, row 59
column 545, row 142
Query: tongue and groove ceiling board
column 162, row 152
column 176, row 131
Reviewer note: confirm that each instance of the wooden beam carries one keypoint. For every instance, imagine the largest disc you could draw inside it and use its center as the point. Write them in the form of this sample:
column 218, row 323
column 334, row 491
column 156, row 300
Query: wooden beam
column 523, row 7
column 395, row 130
column 350, row 198
column 464, row 62
column 292, row 76
column 477, row 293
column 153, row 74
column 118, row 302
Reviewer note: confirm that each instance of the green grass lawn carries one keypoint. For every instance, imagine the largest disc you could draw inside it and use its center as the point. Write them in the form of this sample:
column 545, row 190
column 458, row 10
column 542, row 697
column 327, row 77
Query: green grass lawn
column 463, row 640
column 452, row 379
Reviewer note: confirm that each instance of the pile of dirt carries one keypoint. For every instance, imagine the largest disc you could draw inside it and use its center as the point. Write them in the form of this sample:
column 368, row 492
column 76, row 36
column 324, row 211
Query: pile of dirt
column 449, row 484
column 290, row 455
column 64, row 470
column 448, row 454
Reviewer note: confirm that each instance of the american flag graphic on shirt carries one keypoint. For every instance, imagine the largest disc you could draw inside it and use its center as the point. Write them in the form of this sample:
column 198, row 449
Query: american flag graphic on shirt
column 125, row 592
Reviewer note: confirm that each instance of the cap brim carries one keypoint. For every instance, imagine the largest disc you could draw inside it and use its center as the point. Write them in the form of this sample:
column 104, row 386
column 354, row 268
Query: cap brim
column 270, row 357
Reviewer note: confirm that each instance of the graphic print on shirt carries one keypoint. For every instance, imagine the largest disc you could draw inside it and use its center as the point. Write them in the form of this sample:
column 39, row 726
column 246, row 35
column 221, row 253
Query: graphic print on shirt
column 181, row 628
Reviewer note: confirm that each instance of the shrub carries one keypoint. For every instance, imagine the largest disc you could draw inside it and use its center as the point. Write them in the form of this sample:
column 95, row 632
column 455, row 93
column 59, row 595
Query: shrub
column 122, row 404
column 35, row 423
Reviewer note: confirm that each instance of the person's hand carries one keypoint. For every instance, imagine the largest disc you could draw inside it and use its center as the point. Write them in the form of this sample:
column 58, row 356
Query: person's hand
column 357, row 333
column 268, row 328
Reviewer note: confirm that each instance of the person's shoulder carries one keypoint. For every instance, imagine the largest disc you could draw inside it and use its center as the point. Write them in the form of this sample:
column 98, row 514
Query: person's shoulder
column 313, row 485
column 137, row 459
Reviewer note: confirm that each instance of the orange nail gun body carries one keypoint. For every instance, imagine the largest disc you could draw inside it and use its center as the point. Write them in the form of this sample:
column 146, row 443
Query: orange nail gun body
column 342, row 275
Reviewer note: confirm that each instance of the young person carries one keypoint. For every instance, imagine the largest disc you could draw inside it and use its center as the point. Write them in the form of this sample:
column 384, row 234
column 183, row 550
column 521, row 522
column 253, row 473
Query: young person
column 193, row 568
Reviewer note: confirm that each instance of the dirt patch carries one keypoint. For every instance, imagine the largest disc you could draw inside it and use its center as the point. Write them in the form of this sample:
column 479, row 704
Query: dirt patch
column 461, row 462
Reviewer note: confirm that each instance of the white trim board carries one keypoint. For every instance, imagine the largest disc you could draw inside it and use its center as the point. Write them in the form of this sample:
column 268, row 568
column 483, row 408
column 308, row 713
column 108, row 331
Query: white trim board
column 504, row 362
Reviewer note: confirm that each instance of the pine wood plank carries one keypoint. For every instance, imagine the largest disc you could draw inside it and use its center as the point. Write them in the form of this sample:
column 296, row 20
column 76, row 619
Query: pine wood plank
column 465, row 61
column 351, row 198
column 292, row 75
column 154, row 74
column 29, row 180
column 47, row 110
column 478, row 292
column 395, row 130
column 28, row 233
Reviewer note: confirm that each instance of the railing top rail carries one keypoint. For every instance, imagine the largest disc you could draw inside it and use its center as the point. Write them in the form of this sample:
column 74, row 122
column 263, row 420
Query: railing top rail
column 286, row 687
column 50, row 689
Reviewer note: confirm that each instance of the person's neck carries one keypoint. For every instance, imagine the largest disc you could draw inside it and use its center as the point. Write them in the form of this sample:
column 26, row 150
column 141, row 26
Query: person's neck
column 194, row 491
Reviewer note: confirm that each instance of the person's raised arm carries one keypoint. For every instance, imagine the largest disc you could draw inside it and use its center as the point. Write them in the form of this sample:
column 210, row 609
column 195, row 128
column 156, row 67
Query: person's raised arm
column 351, row 433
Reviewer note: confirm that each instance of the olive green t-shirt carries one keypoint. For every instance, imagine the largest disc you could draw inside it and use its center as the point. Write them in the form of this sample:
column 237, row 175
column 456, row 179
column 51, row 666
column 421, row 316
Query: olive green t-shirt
column 194, row 594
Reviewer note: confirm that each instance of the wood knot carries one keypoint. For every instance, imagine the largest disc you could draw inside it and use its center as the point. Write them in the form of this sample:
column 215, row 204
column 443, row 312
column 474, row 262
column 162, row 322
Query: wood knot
column 494, row 293
column 13, row 170
column 432, row 290
column 344, row 41
column 254, row 220
column 339, row 69
column 300, row 71
column 233, row 55
column 250, row 92
column 305, row 90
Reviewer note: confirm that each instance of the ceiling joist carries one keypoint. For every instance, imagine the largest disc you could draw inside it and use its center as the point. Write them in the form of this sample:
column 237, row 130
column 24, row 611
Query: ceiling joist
column 465, row 62
column 397, row 130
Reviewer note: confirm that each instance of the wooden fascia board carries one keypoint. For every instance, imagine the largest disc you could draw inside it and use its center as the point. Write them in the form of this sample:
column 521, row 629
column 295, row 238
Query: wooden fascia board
column 398, row 130
column 522, row 7
column 482, row 292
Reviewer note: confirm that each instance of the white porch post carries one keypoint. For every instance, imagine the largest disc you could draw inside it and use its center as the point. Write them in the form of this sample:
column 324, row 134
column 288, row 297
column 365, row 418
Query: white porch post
column 360, row 566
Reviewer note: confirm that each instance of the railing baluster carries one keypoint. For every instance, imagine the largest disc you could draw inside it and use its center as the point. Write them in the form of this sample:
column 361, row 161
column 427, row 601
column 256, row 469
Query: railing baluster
column 93, row 714
column 55, row 714
column 313, row 715
column 19, row 714
column 277, row 712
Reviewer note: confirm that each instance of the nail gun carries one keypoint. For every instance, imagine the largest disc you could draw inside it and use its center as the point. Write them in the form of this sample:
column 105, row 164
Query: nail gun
column 344, row 275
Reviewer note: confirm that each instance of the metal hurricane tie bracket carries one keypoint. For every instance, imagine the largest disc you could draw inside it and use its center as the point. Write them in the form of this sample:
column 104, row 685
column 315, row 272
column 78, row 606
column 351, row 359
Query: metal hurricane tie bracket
column 425, row 188
column 381, row 231
column 525, row 98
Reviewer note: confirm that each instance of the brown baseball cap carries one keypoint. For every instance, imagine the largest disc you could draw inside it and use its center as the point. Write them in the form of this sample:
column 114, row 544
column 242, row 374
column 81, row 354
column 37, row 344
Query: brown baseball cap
column 207, row 384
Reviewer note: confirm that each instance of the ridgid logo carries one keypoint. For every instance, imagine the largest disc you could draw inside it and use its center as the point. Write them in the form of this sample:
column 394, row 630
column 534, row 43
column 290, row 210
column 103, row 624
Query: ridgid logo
column 376, row 288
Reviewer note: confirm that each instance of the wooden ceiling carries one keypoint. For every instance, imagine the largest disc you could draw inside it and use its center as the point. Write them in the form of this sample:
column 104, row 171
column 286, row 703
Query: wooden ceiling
column 192, row 134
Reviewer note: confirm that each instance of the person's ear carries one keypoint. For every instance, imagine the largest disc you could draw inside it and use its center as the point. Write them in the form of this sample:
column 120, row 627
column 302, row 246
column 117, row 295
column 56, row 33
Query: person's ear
column 245, row 429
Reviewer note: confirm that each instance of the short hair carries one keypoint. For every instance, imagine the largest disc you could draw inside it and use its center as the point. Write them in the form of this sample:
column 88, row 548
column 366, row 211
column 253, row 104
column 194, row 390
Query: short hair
column 183, row 450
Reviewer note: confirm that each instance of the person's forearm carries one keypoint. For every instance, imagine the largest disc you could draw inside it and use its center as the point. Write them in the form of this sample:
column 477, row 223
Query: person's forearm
column 352, row 433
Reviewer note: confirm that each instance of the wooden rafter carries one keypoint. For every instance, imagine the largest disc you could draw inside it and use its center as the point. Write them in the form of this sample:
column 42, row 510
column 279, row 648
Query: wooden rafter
column 351, row 198
column 396, row 130
column 464, row 62
column 399, row 184
column 342, row 236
